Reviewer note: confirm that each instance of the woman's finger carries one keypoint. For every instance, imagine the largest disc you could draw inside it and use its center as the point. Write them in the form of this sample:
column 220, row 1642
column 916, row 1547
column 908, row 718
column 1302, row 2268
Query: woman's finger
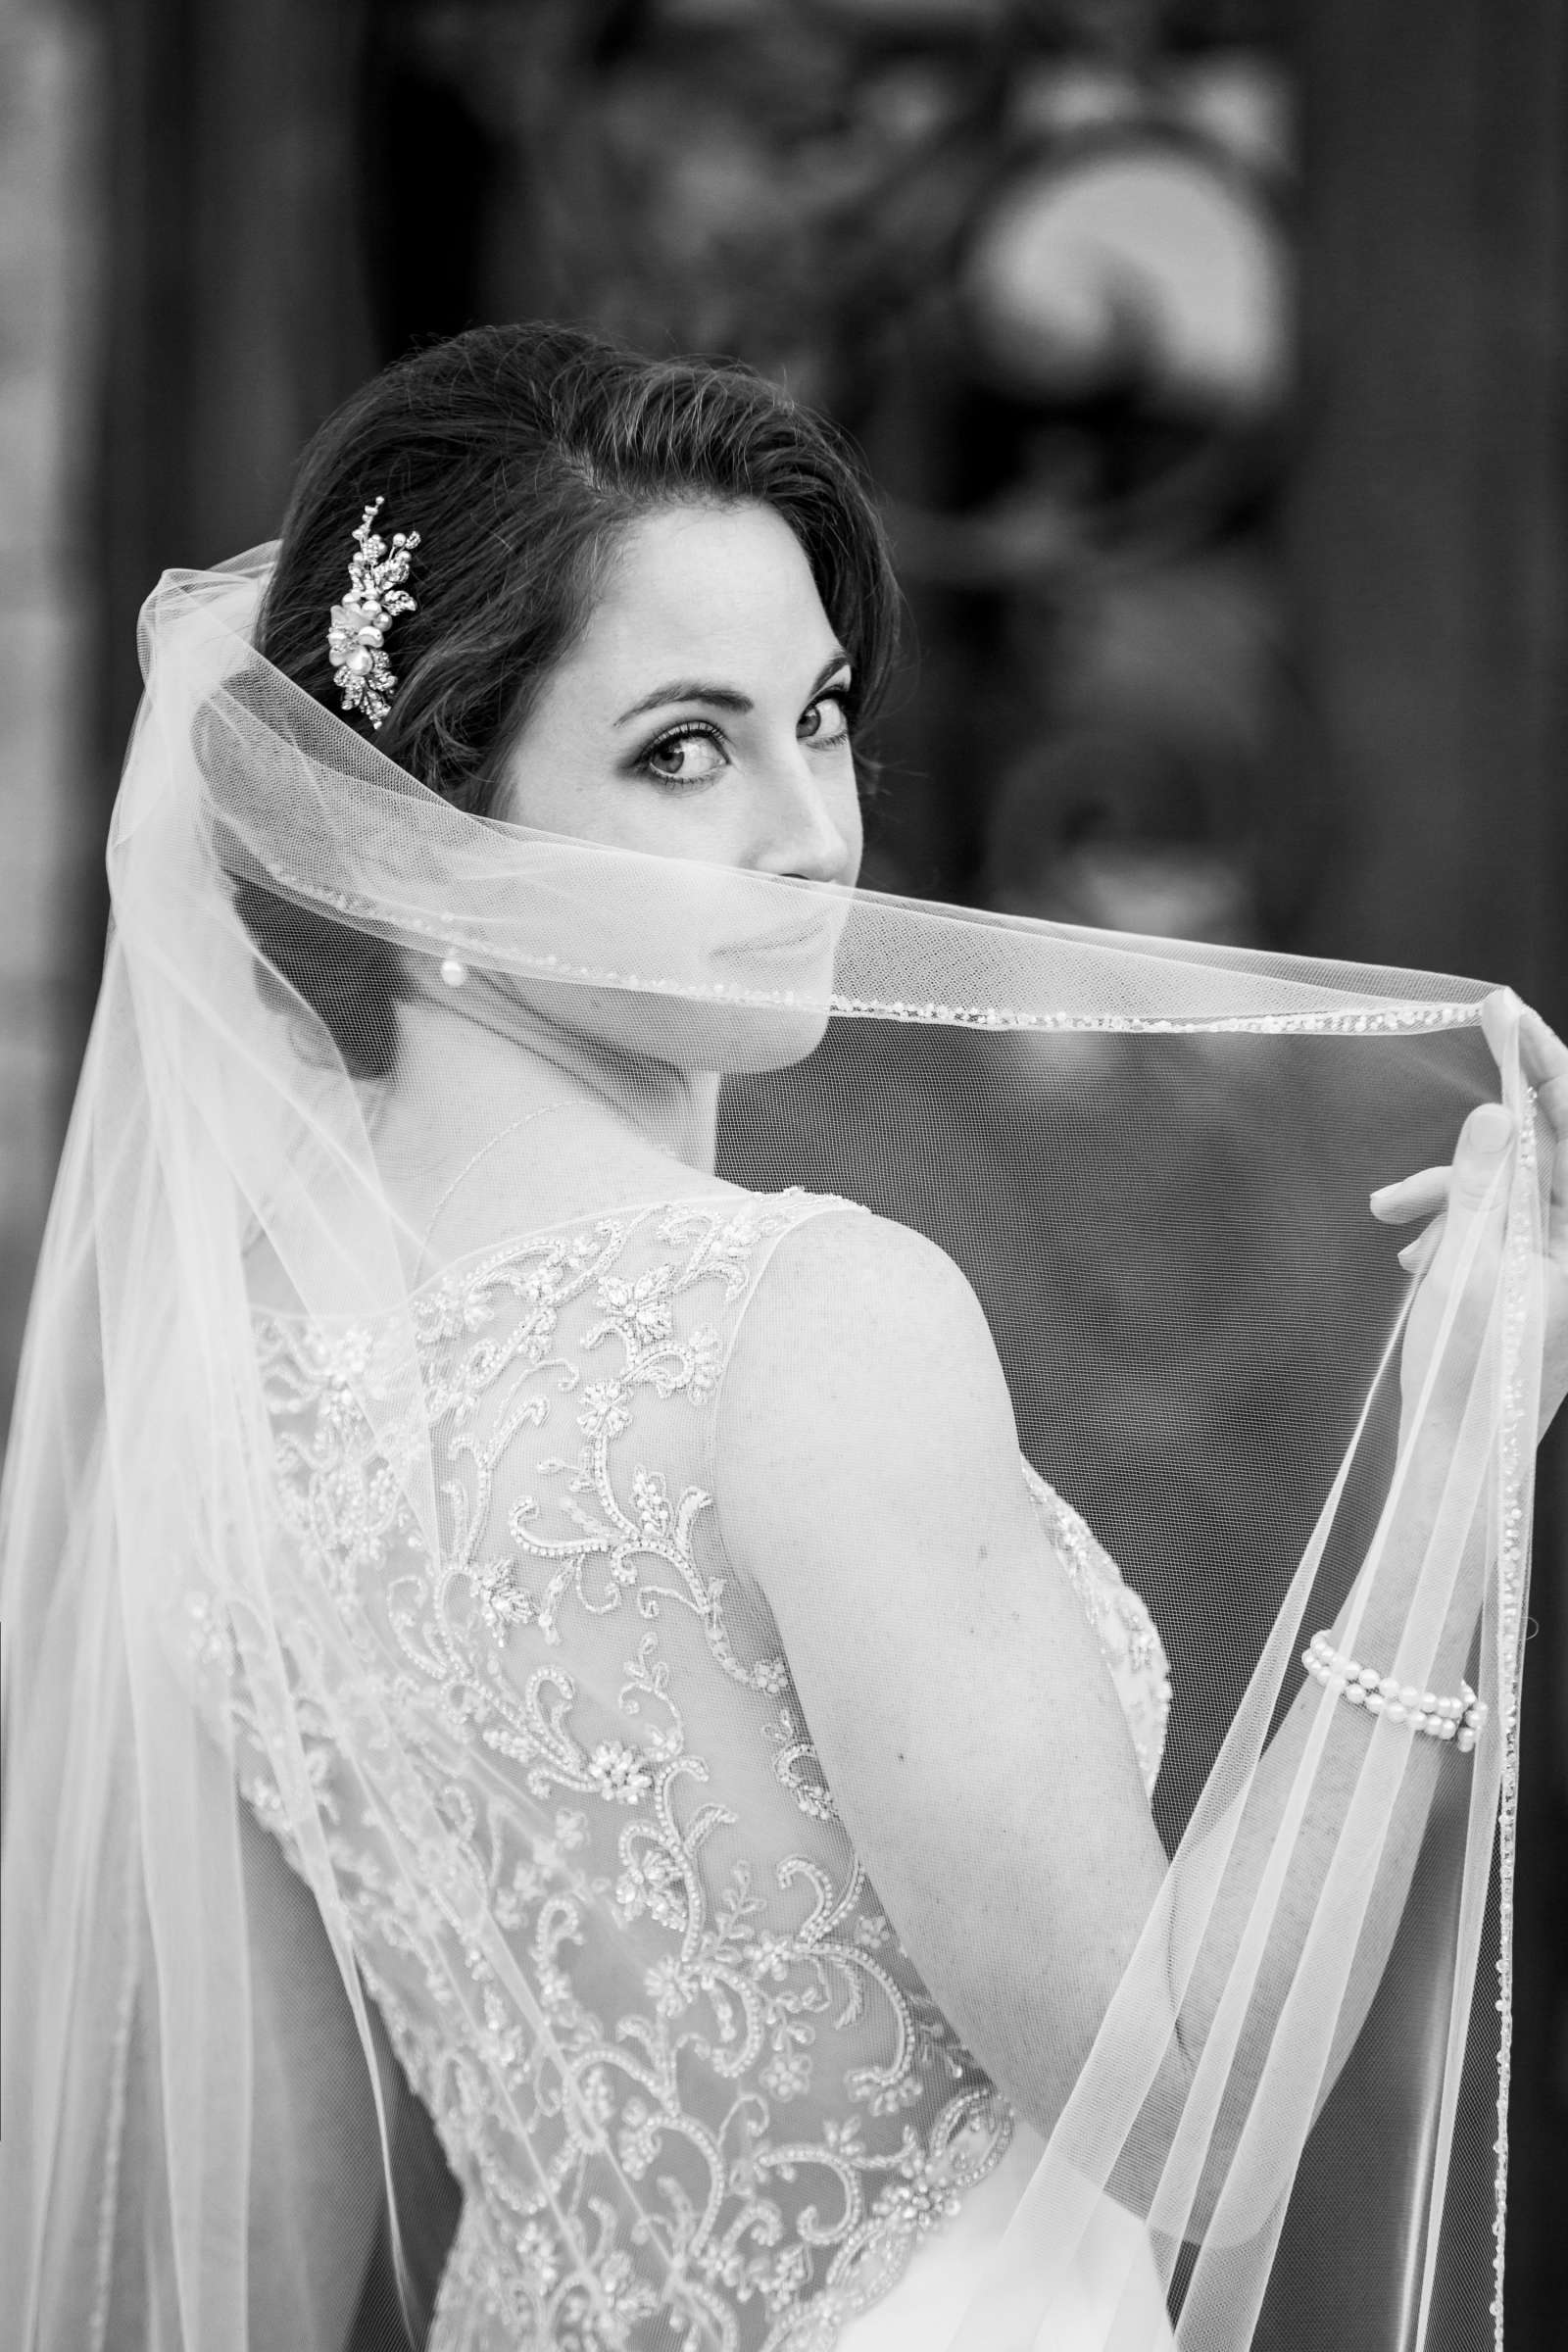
column 1482, row 1143
column 1457, row 1264
column 1498, row 1013
column 1484, row 1140
column 1474, row 1184
column 1543, row 1060
column 1418, row 1196
column 1417, row 1255
column 1542, row 1055
column 1544, row 1067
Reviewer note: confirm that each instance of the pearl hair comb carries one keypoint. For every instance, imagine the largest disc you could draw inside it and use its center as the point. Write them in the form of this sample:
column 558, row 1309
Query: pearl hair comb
column 356, row 640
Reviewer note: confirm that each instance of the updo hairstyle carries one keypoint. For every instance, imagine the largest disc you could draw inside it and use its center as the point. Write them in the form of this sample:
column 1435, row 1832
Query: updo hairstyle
column 520, row 454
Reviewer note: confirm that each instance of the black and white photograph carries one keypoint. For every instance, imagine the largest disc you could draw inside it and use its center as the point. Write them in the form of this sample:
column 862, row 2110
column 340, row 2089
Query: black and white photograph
column 783, row 1176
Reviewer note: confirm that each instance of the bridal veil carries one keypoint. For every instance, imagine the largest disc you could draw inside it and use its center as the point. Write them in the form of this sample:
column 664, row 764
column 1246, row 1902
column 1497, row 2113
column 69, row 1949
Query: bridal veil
column 1153, row 1161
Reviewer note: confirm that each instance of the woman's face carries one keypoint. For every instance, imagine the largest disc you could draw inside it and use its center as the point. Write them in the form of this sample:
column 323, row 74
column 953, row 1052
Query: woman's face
column 703, row 712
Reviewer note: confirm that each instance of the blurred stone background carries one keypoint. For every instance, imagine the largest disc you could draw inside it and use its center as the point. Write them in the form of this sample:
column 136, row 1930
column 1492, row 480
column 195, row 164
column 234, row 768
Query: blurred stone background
column 1209, row 355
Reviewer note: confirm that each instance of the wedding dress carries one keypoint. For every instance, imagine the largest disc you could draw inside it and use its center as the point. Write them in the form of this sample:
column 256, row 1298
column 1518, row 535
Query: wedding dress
column 429, row 1571
column 736, row 2009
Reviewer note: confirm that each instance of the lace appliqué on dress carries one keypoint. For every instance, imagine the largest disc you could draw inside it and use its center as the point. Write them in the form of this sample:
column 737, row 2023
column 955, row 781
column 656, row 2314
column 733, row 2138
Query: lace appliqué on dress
column 1128, row 1638
column 638, row 1930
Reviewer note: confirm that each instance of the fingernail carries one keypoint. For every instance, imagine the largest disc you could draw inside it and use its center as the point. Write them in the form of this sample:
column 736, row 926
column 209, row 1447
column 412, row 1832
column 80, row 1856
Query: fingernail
column 1489, row 1128
column 1385, row 1191
column 1409, row 1253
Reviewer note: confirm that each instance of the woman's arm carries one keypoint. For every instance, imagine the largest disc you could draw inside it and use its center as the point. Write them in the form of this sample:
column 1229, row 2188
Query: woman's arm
column 316, row 2182
column 869, row 1479
column 957, row 1696
column 316, row 2187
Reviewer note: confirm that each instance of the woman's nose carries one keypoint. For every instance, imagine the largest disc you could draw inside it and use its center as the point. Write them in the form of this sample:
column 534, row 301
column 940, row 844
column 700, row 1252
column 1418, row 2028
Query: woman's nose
column 805, row 835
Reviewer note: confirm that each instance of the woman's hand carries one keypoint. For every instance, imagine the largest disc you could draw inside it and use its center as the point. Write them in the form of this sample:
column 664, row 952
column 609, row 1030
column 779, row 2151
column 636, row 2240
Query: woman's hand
column 1477, row 1180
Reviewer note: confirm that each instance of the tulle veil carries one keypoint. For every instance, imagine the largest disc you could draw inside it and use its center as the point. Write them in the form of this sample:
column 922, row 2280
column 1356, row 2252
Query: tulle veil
column 1152, row 1160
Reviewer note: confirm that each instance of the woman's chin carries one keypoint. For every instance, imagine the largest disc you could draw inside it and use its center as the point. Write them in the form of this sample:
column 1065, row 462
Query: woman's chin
column 696, row 1034
column 770, row 1038
column 692, row 1034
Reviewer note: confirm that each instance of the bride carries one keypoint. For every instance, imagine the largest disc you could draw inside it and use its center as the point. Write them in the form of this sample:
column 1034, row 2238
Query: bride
column 502, row 1616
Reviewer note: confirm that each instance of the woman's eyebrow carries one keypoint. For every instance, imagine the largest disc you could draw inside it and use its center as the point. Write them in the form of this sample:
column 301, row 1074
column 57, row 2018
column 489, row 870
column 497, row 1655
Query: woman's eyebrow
column 721, row 698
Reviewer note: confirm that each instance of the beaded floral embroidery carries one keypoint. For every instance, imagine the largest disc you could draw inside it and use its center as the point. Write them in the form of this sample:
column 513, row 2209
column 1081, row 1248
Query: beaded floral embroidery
column 612, row 1948
column 355, row 641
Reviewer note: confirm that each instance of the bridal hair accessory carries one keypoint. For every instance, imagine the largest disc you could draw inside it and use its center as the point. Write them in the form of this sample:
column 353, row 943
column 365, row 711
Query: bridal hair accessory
column 454, row 971
column 356, row 640
column 1458, row 1719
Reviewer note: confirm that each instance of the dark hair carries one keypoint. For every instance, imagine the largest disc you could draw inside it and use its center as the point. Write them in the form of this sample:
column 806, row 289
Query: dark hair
column 520, row 454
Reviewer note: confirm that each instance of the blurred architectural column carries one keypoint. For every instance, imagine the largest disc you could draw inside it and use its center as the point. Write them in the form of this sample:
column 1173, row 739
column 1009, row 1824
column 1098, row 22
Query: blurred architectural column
column 1429, row 545
column 1429, row 552
column 181, row 285
column 50, row 281
column 235, row 310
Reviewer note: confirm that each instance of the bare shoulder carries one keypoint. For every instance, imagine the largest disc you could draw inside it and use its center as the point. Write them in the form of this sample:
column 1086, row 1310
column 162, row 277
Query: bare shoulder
column 853, row 1301
column 874, row 1266
column 864, row 1380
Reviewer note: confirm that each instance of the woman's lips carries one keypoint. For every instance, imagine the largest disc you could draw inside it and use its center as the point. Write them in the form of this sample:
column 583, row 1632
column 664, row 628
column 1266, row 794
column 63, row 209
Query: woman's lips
column 811, row 943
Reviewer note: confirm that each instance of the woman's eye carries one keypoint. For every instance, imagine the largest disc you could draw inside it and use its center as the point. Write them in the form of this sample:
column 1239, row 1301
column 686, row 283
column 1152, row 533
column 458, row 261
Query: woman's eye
column 689, row 758
column 828, row 719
